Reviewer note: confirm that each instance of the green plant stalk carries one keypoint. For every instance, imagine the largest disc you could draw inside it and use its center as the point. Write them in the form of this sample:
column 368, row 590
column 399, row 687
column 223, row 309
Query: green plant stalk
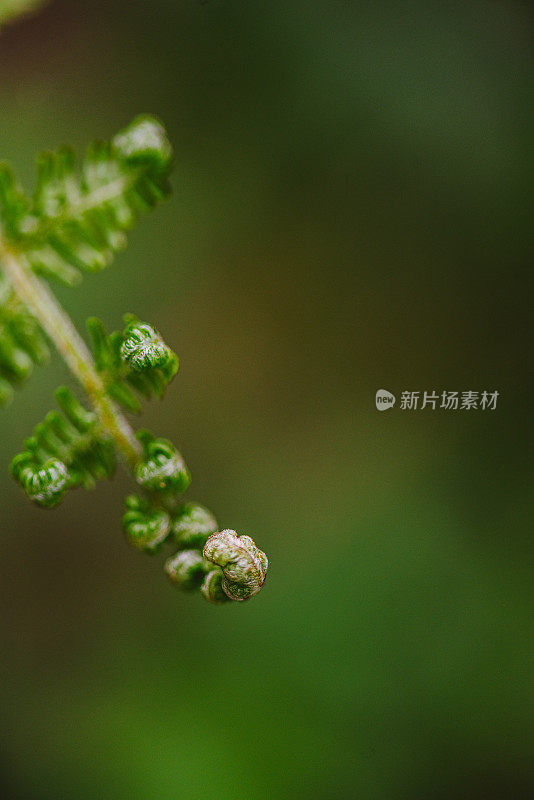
column 42, row 304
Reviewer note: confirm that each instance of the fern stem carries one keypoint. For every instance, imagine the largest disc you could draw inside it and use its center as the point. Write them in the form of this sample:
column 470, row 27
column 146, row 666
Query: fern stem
column 42, row 304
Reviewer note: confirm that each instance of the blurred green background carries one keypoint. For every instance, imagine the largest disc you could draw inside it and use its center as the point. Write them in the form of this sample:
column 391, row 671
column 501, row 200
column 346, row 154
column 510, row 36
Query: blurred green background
column 352, row 211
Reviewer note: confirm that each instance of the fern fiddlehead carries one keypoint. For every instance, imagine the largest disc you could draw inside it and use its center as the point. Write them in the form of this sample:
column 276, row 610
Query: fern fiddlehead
column 76, row 220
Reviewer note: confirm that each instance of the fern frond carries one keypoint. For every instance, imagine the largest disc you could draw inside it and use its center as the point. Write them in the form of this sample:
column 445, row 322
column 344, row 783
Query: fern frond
column 77, row 219
column 163, row 468
column 22, row 344
column 221, row 564
column 244, row 566
column 65, row 451
column 146, row 527
column 192, row 525
column 137, row 358
column 188, row 569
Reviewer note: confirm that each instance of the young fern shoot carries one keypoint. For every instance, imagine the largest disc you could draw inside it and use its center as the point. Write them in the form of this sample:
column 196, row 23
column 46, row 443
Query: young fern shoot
column 76, row 221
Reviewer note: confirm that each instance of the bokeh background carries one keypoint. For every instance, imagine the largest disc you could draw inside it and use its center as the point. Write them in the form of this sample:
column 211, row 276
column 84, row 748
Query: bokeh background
column 352, row 211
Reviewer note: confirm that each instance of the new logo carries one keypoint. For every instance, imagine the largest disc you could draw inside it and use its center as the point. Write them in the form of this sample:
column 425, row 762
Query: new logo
column 384, row 400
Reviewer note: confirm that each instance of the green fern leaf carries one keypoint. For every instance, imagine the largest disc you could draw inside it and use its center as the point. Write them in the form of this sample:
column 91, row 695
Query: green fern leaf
column 163, row 468
column 66, row 450
column 22, row 344
column 137, row 358
column 146, row 527
column 78, row 218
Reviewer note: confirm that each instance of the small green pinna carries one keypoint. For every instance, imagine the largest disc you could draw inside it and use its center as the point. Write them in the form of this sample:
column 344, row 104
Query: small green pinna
column 77, row 220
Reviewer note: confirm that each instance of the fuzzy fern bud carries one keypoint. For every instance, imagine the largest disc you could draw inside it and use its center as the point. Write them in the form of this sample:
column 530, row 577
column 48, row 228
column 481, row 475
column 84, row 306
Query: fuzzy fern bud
column 243, row 565
column 187, row 569
column 146, row 528
column 45, row 484
column 163, row 467
column 137, row 358
column 192, row 525
column 143, row 349
column 212, row 588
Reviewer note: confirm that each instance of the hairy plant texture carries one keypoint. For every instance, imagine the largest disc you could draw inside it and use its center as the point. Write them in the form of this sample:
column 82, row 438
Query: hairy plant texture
column 77, row 220
column 243, row 565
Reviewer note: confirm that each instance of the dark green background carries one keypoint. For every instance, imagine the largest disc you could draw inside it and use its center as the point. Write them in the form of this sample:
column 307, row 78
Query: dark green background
column 352, row 211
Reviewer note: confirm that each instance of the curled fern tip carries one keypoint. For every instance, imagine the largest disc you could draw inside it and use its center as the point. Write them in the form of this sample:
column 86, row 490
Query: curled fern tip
column 243, row 565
